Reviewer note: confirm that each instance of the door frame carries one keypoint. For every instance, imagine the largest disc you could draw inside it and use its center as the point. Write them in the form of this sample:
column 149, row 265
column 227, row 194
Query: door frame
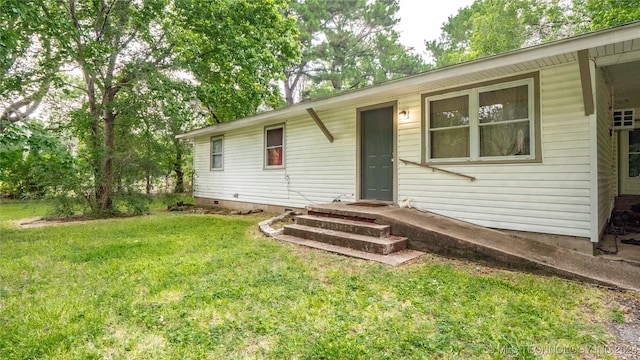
column 394, row 112
column 625, row 185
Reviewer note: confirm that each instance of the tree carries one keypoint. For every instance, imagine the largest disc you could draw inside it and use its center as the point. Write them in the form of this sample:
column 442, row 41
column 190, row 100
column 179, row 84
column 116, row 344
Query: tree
column 29, row 59
column 232, row 50
column 488, row 27
column 33, row 160
column 606, row 13
column 345, row 45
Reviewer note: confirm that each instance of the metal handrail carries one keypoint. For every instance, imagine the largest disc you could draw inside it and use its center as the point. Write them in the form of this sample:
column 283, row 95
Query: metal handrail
column 471, row 178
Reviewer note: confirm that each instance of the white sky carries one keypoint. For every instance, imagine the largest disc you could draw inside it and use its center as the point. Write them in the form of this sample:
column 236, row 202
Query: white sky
column 421, row 20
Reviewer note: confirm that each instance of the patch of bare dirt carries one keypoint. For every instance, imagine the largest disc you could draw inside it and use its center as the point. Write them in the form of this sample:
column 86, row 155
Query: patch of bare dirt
column 625, row 329
column 192, row 209
column 40, row 222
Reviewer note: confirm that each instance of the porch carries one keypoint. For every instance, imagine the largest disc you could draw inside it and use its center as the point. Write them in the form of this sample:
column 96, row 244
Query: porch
column 621, row 241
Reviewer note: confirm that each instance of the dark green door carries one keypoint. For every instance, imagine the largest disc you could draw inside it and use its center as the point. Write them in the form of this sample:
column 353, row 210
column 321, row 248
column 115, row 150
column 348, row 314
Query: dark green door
column 377, row 154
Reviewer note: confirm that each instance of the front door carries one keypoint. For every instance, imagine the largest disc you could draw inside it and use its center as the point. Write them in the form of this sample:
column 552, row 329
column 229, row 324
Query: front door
column 376, row 162
column 630, row 162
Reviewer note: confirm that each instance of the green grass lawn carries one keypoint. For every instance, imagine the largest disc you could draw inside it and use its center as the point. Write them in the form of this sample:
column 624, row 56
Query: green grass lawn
column 174, row 285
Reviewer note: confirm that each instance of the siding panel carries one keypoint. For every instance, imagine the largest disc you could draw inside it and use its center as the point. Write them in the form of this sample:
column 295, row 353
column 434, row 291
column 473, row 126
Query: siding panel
column 607, row 177
column 316, row 171
column 550, row 197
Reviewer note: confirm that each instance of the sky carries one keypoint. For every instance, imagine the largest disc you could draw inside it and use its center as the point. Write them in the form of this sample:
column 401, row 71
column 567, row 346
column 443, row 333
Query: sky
column 422, row 19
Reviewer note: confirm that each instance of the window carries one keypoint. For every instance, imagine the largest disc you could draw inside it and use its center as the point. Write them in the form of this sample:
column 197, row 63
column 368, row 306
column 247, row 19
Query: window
column 493, row 122
column 449, row 127
column 217, row 153
column 274, row 149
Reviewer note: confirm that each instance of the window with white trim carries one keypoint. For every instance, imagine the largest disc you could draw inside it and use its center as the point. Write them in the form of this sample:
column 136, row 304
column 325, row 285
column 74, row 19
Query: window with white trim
column 217, row 153
column 493, row 122
column 274, row 147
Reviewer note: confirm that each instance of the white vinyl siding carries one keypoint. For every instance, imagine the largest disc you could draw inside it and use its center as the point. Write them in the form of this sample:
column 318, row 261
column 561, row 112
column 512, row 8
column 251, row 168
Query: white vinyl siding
column 607, row 178
column 549, row 197
column 316, row 171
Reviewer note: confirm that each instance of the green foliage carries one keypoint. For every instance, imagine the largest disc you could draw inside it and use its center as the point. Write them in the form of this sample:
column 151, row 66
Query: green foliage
column 346, row 45
column 150, row 70
column 617, row 315
column 33, row 161
column 241, row 47
column 489, row 27
column 65, row 206
column 134, row 202
column 606, row 13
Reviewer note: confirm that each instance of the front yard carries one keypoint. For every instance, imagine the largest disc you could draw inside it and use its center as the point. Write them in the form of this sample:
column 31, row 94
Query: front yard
column 174, row 285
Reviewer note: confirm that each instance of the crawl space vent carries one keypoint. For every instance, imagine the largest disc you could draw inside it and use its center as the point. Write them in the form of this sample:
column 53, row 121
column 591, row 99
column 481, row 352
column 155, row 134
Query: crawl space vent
column 623, row 119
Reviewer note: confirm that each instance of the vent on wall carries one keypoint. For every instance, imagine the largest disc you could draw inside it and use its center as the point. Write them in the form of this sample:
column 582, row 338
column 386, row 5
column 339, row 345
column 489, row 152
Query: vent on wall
column 623, row 119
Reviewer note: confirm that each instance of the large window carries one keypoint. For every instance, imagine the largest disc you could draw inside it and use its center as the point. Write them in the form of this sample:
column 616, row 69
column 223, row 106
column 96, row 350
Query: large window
column 217, row 153
column 274, row 149
column 493, row 122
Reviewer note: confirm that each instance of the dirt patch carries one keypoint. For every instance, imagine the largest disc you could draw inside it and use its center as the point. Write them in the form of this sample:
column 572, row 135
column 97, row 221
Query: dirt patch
column 276, row 225
column 79, row 219
column 192, row 209
column 624, row 326
column 40, row 222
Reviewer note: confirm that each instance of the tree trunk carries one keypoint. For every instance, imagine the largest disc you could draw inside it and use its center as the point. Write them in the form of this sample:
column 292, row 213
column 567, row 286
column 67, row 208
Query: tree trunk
column 148, row 182
column 105, row 200
column 290, row 85
column 288, row 92
column 177, row 168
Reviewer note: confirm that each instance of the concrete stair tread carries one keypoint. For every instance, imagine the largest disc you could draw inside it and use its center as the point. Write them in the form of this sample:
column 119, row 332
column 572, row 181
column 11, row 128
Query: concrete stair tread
column 364, row 238
column 343, row 210
column 393, row 259
column 346, row 225
column 373, row 244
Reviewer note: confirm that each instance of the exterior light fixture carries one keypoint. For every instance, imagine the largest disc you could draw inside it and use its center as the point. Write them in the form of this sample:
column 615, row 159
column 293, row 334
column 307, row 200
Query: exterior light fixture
column 403, row 115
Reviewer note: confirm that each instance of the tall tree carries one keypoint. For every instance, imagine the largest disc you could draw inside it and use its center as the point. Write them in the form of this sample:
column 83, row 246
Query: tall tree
column 233, row 50
column 488, row 27
column 605, row 13
column 345, row 45
column 29, row 58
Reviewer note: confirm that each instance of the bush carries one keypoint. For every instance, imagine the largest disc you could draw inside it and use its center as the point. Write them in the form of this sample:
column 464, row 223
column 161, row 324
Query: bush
column 135, row 203
column 65, row 206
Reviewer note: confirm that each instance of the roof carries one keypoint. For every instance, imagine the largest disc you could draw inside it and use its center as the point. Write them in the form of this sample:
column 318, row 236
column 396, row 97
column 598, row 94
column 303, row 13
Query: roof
column 605, row 44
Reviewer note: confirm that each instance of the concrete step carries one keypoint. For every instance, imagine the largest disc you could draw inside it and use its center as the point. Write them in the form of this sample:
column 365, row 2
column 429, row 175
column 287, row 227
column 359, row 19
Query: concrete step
column 345, row 211
column 344, row 225
column 393, row 259
column 365, row 243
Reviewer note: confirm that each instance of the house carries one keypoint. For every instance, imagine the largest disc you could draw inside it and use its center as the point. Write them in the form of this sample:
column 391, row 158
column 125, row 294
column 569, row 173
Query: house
column 538, row 140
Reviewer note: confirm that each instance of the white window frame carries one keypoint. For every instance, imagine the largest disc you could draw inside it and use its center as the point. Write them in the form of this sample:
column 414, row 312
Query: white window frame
column 266, row 148
column 474, row 122
column 221, row 154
